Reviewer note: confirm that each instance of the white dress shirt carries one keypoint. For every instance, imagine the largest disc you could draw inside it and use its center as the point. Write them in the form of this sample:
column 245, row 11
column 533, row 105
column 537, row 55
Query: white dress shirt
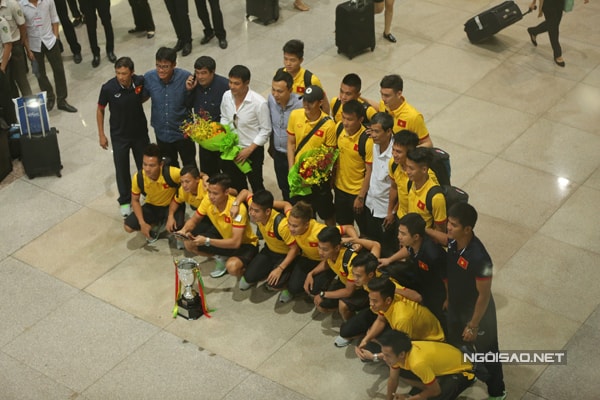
column 39, row 22
column 251, row 120
column 379, row 186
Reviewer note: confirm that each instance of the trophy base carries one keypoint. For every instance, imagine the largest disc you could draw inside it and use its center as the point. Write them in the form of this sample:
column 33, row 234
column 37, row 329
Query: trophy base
column 190, row 309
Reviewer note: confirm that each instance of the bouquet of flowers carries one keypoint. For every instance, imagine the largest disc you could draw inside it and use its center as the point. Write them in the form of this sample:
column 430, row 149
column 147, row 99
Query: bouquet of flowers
column 313, row 168
column 213, row 136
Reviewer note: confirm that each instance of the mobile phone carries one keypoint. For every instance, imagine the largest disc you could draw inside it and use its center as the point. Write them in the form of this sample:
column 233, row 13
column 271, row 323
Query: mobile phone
column 180, row 236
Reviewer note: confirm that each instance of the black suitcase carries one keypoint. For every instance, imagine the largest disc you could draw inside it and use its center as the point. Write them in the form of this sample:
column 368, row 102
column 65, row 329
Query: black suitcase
column 355, row 27
column 492, row 21
column 40, row 154
column 265, row 11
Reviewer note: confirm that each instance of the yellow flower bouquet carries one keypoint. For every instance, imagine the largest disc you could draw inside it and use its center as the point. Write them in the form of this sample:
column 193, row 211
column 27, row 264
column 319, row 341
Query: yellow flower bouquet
column 313, row 168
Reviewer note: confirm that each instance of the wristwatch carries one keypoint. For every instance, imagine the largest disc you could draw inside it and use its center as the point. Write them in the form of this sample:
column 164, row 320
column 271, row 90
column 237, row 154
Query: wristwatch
column 322, row 294
column 207, row 242
column 235, row 203
column 375, row 357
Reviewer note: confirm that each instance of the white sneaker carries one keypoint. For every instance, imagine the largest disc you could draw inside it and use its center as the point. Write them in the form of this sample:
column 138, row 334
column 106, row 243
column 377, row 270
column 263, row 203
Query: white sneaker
column 285, row 296
column 220, row 269
column 244, row 285
column 341, row 342
column 125, row 210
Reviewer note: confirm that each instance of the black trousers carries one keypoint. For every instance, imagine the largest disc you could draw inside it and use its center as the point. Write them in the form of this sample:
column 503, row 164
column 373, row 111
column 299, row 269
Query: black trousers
column 301, row 269
column 487, row 340
column 183, row 148
column 217, row 18
column 261, row 266
column 358, row 324
column 179, row 13
column 74, row 8
column 344, row 211
column 255, row 177
column 68, row 29
column 102, row 7
column 209, row 161
column 387, row 237
column 121, row 150
column 17, row 71
column 60, row 80
column 553, row 11
column 7, row 109
column 281, row 172
column 142, row 15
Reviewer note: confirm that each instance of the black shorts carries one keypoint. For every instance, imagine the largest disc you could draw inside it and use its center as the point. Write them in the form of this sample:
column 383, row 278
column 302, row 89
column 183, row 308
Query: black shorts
column 358, row 301
column 246, row 252
column 154, row 215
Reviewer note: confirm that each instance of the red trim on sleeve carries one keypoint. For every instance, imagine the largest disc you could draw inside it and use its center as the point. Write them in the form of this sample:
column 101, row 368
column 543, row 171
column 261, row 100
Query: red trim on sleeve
column 430, row 383
column 101, row 106
column 198, row 212
column 483, row 278
column 290, row 133
column 238, row 226
column 291, row 244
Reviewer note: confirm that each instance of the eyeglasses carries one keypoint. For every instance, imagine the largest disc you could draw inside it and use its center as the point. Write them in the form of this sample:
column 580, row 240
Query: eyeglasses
column 163, row 66
column 235, row 121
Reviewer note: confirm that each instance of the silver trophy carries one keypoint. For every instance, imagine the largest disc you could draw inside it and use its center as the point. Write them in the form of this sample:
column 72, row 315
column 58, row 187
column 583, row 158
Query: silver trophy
column 189, row 303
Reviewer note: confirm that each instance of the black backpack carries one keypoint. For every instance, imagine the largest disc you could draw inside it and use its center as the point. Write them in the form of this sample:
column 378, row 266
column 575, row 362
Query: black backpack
column 362, row 140
column 166, row 173
column 307, row 77
column 452, row 194
column 278, row 218
column 440, row 165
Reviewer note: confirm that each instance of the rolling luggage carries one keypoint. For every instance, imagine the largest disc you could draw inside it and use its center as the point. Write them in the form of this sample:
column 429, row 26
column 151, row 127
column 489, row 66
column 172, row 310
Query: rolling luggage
column 40, row 154
column 355, row 27
column 265, row 11
column 492, row 21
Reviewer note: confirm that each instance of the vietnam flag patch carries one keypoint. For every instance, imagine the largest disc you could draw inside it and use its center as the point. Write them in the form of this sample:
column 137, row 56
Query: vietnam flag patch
column 300, row 89
column 271, row 234
column 401, row 123
column 423, row 266
column 462, row 262
column 319, row 133
column 355, row 146
column 313, row 244
column 227, row 219
column 420, row 205
column 165, row 185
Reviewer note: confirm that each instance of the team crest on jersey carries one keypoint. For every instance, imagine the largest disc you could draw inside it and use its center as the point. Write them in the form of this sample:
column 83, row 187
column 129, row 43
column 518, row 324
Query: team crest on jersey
column 227, row 219
column 313, row 244
column 462, row 262
column 319, row 133
column 423, row 266
column 401, row 123
column 420, row 205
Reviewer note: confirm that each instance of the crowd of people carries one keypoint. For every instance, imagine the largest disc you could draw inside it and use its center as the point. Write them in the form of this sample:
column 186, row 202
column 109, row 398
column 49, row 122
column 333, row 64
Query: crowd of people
column 376, row 242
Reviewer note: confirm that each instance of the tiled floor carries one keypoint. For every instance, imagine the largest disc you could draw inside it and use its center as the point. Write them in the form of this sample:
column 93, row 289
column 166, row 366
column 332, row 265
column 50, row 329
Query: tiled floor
column 86, row 308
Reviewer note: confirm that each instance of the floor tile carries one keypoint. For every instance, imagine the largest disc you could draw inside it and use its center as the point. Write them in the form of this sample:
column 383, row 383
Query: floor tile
column 438, row 19
column 176, row 364
column 580, row 108
column 27, row 296
column 580, row 373
column 81, row 253
column 563, row 271
column 516, row 193
column 593, row 78
column 20, row 382
column 560, row 150
column 80, row 341
column 491, row 128
column 42, row 210
column 574, row 221
column 256, row 387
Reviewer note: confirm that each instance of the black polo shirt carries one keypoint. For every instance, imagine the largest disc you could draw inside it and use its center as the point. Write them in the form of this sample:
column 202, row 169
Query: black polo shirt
column 464, row 268
column 127, row 118
column 430, row 263
column 209, row 98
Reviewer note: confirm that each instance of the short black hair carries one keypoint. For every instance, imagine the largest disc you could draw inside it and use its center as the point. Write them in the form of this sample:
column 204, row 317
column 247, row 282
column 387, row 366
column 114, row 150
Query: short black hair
column 384, row 286
column 399, row 341
column 166, row 53
column 406, row 138
column 124, row 62
column 205, row 62
column 220, row 179
column 285, row 76
column 353, row 107
column 295, row 47
column 240, row 71
column 393, row 82
column 414, row 223
column 421, row 156
column 384, row 119
column 352, row 80
column 331, row 235
column 264, row 199
column 465, row 213
column 152, row 150
column 366, row 260
column 190, row 169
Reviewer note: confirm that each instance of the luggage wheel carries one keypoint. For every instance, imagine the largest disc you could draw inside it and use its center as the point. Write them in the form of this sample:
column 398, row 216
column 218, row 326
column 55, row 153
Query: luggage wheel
column 58, row 174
